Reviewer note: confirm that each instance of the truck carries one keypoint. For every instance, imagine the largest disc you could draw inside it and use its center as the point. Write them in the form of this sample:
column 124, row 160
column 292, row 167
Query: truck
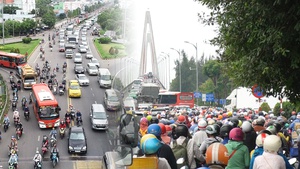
column 27, row 75
column 242, row 97
column 148, row 93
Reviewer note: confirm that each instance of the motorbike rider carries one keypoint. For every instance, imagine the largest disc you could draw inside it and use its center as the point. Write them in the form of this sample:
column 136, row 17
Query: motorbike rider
column 54, row 150
column 24, row 101
column 26, row 109
column 13, row 142
column 6, row 120
column 19, row 126
column 45, row 141
column 78, row 115
column 13, row 159
column 65, row 65
column 16, row 116
column 53, row 133
column 37, row 158
column 62, row 124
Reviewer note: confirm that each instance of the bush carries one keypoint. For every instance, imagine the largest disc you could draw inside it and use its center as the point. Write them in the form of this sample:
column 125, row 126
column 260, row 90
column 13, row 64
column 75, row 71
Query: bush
column 265, row 107
column 26, row 40
column 104, row 40
column 287, row 107
column 15, row 50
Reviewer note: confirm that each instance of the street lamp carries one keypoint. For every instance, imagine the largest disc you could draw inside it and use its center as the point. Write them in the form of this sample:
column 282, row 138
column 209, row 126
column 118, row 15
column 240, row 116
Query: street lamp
column 196, row 47
column 169, row 79
column 13, row 27
column 179, row 67
column 163, row 69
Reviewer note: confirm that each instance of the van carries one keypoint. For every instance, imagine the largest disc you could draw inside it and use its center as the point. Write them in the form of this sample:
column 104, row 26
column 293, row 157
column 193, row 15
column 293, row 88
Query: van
column 104, row 78
column 98, row 117
column 111, row 100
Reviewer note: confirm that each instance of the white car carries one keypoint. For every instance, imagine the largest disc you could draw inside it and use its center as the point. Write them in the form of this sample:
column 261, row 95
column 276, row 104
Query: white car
column 95, row 61
column 77, row 58
column 82, row 49
column 83, row 39
column 92, row 69
column 82, row 79
column 89, row 55
column 85, row 44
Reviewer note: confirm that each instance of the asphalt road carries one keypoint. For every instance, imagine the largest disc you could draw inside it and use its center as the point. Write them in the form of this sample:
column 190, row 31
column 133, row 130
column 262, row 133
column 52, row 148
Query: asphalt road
column 98, row 141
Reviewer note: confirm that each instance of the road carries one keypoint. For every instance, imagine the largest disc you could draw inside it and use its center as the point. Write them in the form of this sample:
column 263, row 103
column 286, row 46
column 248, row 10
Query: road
column 98, row 141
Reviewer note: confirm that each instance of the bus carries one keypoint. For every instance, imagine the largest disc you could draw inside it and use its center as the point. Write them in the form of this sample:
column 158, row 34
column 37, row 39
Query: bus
column 12, row 60
column 173, row 99
column 45, row 106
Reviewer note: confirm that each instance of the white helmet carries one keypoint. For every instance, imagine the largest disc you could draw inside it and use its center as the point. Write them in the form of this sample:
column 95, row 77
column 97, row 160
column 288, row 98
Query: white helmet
column 260, row 139
column 37, row 152
column 202, row 124
column 272, row 129
column 272, row 143
column 211, row 122
column 246, row 126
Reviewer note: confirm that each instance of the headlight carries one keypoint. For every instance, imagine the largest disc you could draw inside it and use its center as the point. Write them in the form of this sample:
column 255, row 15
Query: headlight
column 42, row 124
column 84, row 148
column 70, row 148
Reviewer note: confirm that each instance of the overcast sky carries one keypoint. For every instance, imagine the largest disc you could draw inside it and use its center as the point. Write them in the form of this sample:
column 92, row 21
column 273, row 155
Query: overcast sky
column 173, row 22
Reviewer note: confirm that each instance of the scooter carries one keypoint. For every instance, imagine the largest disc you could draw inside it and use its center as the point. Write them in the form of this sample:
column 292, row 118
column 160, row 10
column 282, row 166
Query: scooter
column 79, row 121
column 54, row 159
column 68, row 121
column 18, row 133
column 26, row 114
column 44, row 150
column 54, row 89
column 61, row 91
column 38, row 164
column 14, row 105
column 64, row 70
column 52, row 141
column 62, row 132
column 6, row 125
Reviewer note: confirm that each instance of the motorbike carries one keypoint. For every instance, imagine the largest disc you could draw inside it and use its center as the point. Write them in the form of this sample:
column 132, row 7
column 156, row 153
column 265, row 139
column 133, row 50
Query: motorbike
column 6, row 125
column 44, row 149
column 54, row 89
column 52, row 141
column 62, row 132
column 64, row 70
column 54, row 159
column 16, row 120
column 12, row 165
column 68, row 121
column 26, row 114
column 23, row 104
column 61, row 91
column 37, row 164
column 18, row 133
column 72, row 111
column 11, row 79
column 79, row 121
column 14, row 105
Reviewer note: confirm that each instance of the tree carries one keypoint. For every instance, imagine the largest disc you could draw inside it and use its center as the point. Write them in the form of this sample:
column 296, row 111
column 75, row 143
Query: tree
column 207, row 86
column 49, row 19
column 10, row 9
column 258, row 43
column 265, row 107
column 287, row 107
column 62, row 16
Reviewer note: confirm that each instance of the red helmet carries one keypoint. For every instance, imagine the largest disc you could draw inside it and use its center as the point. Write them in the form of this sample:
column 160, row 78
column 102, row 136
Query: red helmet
column 162, row 127
column 236, row 134
column 181, row 119
column 168, row 128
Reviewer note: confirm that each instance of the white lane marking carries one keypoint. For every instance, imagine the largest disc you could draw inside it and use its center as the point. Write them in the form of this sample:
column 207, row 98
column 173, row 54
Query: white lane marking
column 37, row 148
column 93, row 94
column 95, row 102
column 39, row 138
column 91, row 89
column 110, row 142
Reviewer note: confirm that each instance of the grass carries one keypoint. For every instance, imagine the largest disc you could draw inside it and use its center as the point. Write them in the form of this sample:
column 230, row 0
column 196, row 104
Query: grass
column 21, row 46
column 103, row 49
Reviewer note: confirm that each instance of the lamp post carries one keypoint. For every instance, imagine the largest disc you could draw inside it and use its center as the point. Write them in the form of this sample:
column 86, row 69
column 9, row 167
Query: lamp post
column 196, row 47
column 169, row 79
column 179, row 67
column 3, row 20
column 13, row 27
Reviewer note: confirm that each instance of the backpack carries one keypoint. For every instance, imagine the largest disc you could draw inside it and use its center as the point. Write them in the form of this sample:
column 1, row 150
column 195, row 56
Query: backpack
column 180, row 151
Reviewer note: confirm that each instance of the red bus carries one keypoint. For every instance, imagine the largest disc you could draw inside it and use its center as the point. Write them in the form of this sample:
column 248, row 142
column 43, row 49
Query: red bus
column 12, row 60
column 45, row 106
column 173, row 99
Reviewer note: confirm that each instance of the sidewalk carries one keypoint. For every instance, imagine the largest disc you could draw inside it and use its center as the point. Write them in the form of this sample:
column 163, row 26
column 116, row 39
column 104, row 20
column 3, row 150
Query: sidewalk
column 38, row 36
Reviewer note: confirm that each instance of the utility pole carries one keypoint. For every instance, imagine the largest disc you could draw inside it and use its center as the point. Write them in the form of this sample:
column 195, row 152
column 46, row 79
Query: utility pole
column 179, row 67
column 3, row 20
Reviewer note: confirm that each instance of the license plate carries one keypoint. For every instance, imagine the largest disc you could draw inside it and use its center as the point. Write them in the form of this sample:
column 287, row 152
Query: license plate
column 49, row 125
column 77, row 151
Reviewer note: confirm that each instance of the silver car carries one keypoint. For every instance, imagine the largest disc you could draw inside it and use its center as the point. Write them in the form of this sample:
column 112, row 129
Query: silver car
column 95, row 61
column 92, row 69
column 77, row 58
column 89, row 55
column 82, row 79
column 99, row 118
column 82, row 49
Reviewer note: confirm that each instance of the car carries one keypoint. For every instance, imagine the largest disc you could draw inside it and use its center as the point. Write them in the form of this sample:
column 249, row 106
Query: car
column 111, row 100
column 82, row 49
column 78, row 68
column 61, row 47
column 74, row 89
column 61, row 41
column 98, row 117
column 89, row 55
column 85, row 44
column 83, row 38
column 77, row 142
column 69, row 53
column 77, row 58
column 92, row 69
column 82, row 79
column 95, row 61
column 133, row 93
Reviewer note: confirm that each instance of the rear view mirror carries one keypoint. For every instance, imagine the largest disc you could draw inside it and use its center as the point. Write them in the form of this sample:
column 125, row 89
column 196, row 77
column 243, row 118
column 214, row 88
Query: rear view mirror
column 124, row 155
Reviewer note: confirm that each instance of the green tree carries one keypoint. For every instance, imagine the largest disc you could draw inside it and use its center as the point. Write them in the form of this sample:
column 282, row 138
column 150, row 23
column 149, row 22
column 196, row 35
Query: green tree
column 287, row 107
column 43, row 7
column 207, row 86
column 255, row 38
column 10, row 9
column 265, row 107
column 49, row 19
column 62, row 16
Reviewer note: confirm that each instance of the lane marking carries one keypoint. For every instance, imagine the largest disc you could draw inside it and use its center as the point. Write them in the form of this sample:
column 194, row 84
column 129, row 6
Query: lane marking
column 110, row 142
column 39, row 138
column 95, row 102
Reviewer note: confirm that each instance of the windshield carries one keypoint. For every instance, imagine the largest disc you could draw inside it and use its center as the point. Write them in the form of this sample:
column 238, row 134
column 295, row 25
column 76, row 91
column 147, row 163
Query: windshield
column 113, row 98
column 93, row 67
column 167, row 99
column 74, row 87
column 99, row 115
column 77, row 56
column 21, row 60
column 82, row 78
column 94, row 61
column 105, row 77
column 72, row 39
column 29, row 80
column 79, row 67
column 76, row 136
column 48, row 112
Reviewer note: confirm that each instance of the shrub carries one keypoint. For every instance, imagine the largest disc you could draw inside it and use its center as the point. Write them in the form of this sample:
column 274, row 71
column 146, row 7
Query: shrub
column 26, row 40
column 265, row 107
column 105, row 40
column 111, row 51
column 15, row 50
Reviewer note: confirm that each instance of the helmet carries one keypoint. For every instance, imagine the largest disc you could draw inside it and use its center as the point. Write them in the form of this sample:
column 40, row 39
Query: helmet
column 217, row 153
column 37, row 152
column 272, row 143
column 154, row 129
column 240, row 123
column 12, row 137
column 260, row 139
column 62, row 122
column 278, row 126
column 168, row 128
column 234, row 122
column 154, row 120
column 236, row 134
column 220, row 117
column 181, row 119
column 162, row 127
column 260, row 121
column 149, row 117
column 202, row 124
column 181, row 130
column 229, row 114
column 217, row 127
column 210, row 129
column 225, row 129
column 150, row 145
column 143, row 120
column 246, row 126
column 53, row 128
column 172, row 121
column 272, row 129
column 145, row 137
column 211, row 122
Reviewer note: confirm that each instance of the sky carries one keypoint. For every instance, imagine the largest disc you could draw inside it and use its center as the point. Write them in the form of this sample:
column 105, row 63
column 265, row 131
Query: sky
column 173, row 22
